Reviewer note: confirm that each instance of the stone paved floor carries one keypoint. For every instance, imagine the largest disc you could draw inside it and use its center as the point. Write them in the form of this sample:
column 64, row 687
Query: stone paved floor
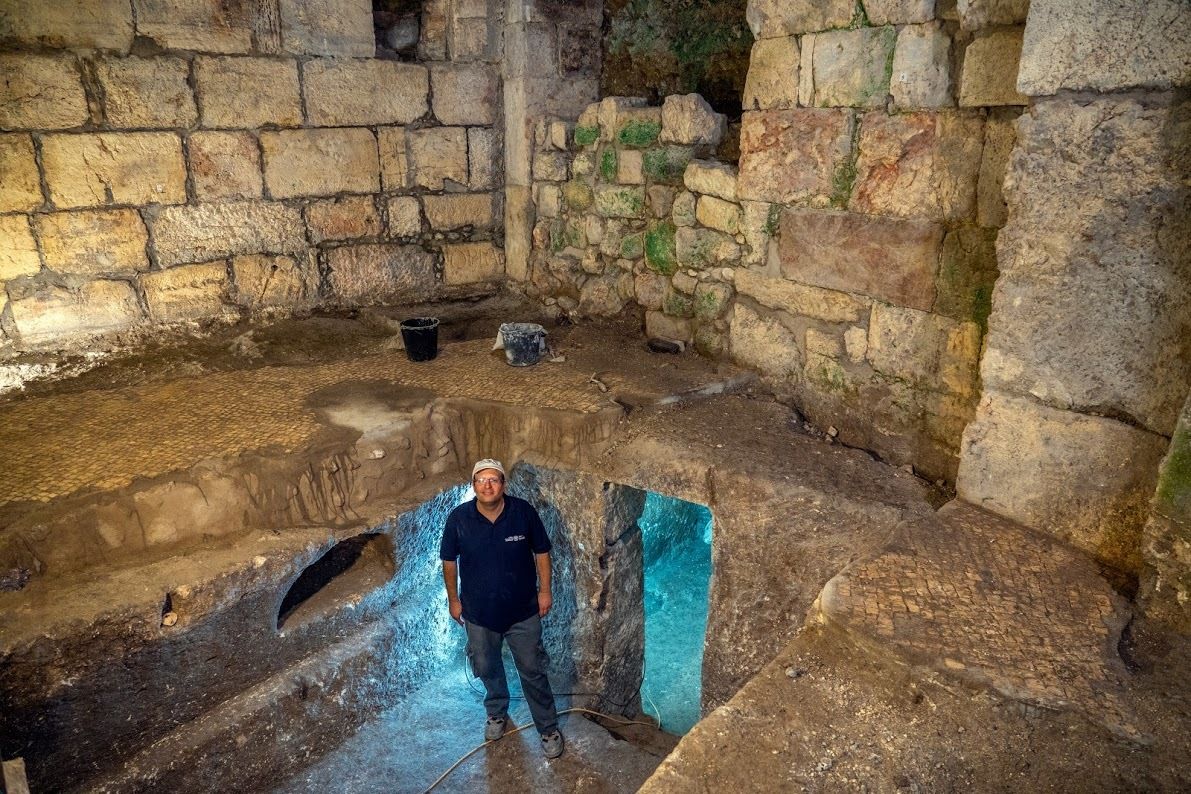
column 983, row 599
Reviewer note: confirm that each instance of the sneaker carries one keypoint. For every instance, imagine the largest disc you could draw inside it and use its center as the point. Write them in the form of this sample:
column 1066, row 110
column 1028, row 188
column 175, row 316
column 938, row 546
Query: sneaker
column 552, row 744
column 494, row 728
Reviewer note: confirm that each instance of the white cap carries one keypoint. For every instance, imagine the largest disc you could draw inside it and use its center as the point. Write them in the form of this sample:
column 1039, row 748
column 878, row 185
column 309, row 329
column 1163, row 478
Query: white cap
column 487, row 463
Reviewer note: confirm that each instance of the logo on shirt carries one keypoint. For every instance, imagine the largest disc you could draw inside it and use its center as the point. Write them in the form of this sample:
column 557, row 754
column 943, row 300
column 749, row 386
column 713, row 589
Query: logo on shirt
column 514, row 538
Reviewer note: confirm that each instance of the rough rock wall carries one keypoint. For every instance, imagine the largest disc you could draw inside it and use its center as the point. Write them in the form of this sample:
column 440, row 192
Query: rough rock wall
column 1088, row 357
column 1166, row 579
column 165, row 161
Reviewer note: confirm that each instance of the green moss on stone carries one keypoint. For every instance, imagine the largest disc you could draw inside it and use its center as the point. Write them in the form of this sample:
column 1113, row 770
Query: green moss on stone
column 558, row 239
column 659, row 248
column 586, row 136
column 676, row 304
column 667, row 164
column 620, row 202
column 577, row 195
column 608, row 165
column 639, row 134
column 632, row 247
column 710, row 301
column 1174, row 478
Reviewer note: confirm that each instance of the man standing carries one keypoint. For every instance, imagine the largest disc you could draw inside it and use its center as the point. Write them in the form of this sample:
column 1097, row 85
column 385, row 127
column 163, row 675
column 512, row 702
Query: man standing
column 503, row 556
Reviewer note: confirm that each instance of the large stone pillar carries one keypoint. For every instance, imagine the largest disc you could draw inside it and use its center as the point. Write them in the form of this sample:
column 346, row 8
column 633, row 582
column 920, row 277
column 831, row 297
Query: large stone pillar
column 1088, row 355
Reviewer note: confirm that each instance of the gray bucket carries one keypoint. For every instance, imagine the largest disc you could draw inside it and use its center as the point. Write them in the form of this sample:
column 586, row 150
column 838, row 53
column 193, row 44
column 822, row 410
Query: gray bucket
column 524, row 343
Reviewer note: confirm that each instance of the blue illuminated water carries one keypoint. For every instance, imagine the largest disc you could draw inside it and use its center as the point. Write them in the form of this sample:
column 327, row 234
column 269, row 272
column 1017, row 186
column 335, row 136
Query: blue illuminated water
column 677, row 539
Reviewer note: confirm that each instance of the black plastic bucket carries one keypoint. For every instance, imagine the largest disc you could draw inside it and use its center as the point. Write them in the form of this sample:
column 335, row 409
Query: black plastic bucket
column 524, row 343
column 420, row 336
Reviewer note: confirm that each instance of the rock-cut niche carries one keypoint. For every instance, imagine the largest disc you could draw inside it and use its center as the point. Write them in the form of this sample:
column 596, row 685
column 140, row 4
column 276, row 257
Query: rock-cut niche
column 350, row 570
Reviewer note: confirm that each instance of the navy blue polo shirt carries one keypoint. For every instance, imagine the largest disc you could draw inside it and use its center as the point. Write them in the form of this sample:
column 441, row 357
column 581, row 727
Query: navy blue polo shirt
column 498, row 579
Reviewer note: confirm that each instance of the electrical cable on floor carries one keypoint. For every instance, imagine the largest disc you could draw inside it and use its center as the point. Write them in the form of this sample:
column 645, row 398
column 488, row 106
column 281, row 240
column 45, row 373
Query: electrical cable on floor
column 477, row 748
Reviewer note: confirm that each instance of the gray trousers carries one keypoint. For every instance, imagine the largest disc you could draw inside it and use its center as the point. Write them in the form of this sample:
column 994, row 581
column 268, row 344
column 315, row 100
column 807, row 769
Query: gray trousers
column 525, row 643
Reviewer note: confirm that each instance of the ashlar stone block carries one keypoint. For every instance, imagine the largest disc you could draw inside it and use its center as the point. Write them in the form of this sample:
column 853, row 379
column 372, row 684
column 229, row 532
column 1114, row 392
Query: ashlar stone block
column 702, row 248
column 899, row 12
column 394, row 158
column 146, row 92
column 93, row 242
column 54, row 315
column 763, row 343
column 438, row 156
column 885, row 258
column 67, row 24
column 471, row 263
column 484, row 155
column 921, row 165
column 852, row 68
column 715, row 213
column 930, row 351
column 922, row 68
column 339, row 28
column 20, row 185
column 320, row 162
column 772, row 81
column 359, row 93
column 377, row 274
column 800, row 299
column 244, row 93
column 1000, row 133
column 262, row 282
column 977, row 14
column 344, row 218
column 89, row 170
column 187, row 292
column 204, row 232
column 688, row 120
column 989, row 75
column 711, row 178
column 18, row 250
column 464, row 95
column 457, row 210
column 794, row 156
column 405, row 216
column 199, row 25
column 224, row 165
column 775, row 18
column 41, row 92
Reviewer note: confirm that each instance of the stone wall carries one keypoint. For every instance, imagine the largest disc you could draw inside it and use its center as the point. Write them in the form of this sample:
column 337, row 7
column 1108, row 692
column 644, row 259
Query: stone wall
column 1088, row 357
column 165, row 162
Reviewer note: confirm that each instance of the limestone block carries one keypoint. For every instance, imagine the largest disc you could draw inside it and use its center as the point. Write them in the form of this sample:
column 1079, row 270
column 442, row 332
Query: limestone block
column 685, row 206
column 663, row 326
column 922, row 165
column 405, row 216
column 711, row 300
column 187, row 292
column 772, row 81
column 41, row 92
column 791, row 156
column 806, row 72
column 630, row 167
column 577, row 195
column 340, row 28
column 763, row 343
column 774, row 18
column 1105, row 45
column 701, row 248
column 711, row 178
column 437, row 156
column 468, row 39
column 248, row 92
column 551, row 166
column 612, row 201
column 343, row 218
column 93, row 242
column 856, row 343
column 56, row 314
column 976, row 14
column 89, row 170
column 204, row 232
column 20, row 185
column 261, row 281
column 394, row 158
column 718, row 214
column 852, row 67
column 346, row 93
column 650, row 289
column 224, row 165
column 146, row 92
column 548, row 199
column 800, row 299
column 688, row 120
column 1098, row 225
column 922, row 68
column 432, row 46
column 1086, row 479
column 369, row 275
column 471, row 263
column 464, row 94
column 884, row 258
column 967, row 272
column 457, row 210
column 899, row 12
column 1000, row 133
column 18, row 250
column 484, row 153
column 1165, row 585
column 821, row 343
column 661, row 199
column 201, row 25
column 67, row 24
column 758, row 224
column 927, row 350
column 990, row 70
column 320, row 162
column 600, row 297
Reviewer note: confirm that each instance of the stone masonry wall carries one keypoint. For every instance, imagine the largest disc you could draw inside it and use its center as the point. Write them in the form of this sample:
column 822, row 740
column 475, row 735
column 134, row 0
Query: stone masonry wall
column 164, row 161
column 1088, row 357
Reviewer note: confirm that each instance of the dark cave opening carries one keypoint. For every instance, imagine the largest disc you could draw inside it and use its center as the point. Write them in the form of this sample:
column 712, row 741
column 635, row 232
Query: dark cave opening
column 348, row 571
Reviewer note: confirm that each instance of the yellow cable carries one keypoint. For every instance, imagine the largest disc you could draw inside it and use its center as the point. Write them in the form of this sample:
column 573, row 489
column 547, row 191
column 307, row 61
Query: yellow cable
column 477, row 748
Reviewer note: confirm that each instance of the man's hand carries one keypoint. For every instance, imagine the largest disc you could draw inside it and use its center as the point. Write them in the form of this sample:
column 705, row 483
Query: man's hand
column 456, row 607
column 545, row 601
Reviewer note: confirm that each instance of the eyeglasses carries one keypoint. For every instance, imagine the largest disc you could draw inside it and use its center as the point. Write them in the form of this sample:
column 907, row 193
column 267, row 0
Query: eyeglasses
column 487, row 480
